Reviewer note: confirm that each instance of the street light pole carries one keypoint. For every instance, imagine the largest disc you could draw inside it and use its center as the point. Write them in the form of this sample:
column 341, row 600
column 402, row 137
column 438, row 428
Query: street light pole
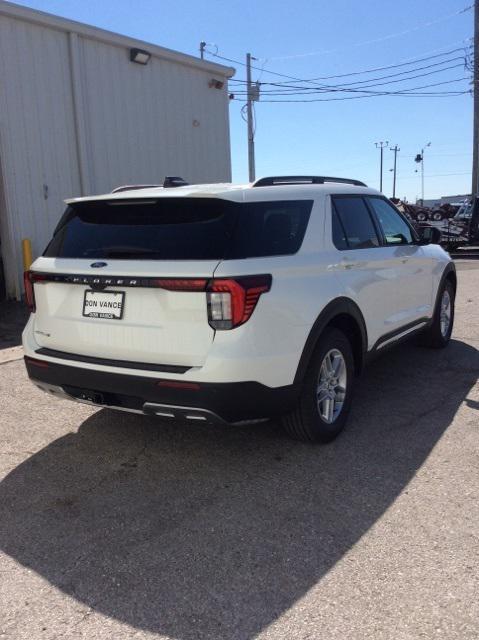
column 381, row 145
column 420, row 158
column 422, row 177
column 395, row 150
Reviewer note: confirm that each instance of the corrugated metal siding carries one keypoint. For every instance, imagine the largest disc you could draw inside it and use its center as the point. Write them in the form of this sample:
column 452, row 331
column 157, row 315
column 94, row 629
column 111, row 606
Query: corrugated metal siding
column 36, row 133
column 139, row 125
column 141, row 120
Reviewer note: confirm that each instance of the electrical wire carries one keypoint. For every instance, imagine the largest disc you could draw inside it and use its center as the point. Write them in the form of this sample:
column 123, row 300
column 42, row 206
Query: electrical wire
column 401, row 73
column 405, row 92
column 444, row 94
column 362, row 87
column 410, row 61
column 392, row 66
column 287, row 85
column 313, row 82
column 302, row 90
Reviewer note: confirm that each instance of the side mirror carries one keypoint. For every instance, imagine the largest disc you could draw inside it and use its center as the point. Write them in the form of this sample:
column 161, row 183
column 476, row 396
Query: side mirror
column 430, row 235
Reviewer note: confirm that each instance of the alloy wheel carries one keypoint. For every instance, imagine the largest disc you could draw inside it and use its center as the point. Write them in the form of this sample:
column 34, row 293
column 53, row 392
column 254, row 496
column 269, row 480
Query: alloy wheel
column 445, row 313
column 331, row 388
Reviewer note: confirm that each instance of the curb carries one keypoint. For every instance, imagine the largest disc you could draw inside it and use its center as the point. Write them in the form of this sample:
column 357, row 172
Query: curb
column 11, row 354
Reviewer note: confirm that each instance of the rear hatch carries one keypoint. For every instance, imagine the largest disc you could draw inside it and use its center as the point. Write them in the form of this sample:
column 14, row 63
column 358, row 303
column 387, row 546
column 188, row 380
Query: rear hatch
column 125, row 280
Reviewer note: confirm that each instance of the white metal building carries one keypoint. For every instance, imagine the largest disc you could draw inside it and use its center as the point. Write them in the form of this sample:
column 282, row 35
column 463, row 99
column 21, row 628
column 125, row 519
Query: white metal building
column 77, row 116
column 437, row 202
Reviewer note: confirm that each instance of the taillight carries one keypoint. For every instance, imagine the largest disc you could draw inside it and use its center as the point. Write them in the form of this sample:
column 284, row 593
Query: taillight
column 29, row 293
column 180, row 284
column 231, row 301
column 29, row 277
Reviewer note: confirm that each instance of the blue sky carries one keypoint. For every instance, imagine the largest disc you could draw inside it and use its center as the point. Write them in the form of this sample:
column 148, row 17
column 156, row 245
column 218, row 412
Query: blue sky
column 336, row 137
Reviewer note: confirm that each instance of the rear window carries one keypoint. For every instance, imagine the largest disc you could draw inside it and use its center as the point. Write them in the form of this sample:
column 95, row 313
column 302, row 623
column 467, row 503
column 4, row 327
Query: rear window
column 357, row 227
column 180, row 229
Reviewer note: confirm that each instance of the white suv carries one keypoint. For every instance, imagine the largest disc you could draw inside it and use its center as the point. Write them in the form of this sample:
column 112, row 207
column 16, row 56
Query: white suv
column 231, row 303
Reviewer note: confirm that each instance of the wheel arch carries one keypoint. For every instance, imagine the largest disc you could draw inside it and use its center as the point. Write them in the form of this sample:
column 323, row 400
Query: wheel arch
column 449, row 274
column 344, row 314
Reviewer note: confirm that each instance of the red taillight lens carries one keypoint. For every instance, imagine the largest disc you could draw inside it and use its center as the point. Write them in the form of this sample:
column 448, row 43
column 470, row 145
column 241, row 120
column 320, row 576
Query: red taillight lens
column 29, row 293
column 29, row 277
column 231, row 301
column 181, row 284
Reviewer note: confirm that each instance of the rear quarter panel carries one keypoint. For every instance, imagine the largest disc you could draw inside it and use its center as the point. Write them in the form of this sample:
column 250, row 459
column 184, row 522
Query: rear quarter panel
column 269, row 346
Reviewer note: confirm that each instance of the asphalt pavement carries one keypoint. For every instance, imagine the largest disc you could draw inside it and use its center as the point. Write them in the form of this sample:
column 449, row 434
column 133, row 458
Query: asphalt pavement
column 117, row 526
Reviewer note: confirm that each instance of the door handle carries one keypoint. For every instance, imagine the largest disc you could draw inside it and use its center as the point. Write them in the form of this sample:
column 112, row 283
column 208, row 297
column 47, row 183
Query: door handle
column 346, row 263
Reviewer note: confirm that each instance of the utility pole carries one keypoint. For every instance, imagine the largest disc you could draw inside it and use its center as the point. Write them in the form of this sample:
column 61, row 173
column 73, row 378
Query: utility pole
column 381, row 145
column 475, row 148
column 420, row 158
column 395, row 150
column 249, row 115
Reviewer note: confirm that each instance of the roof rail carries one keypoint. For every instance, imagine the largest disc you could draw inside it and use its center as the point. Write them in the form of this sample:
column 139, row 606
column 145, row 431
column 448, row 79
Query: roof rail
column 283, row 180
column 133, row 187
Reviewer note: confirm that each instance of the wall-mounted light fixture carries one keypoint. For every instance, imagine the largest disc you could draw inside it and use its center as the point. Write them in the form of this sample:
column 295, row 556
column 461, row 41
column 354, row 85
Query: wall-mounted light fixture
column 216, row 84
column 140, row 56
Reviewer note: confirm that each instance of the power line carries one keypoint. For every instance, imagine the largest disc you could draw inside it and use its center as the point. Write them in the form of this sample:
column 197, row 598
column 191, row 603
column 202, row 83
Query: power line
column 405, row 92
column 315, row 84
column 364, row 71
column 447, row 94
column 391, row 66
column 273, row 73
column 346, row 88
column 362, row 88
column 394, row 75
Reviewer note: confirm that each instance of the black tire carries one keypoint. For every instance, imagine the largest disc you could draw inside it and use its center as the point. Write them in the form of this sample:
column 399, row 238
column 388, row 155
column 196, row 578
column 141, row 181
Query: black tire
column 305, row 422
column 434, row 337
column 452, row 247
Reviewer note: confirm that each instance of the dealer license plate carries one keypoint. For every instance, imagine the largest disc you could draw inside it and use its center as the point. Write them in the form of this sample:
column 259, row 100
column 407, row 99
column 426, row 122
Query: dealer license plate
column 104, row 304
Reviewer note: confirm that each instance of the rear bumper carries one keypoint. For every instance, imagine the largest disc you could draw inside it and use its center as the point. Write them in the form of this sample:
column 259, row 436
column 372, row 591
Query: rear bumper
column 216, row 402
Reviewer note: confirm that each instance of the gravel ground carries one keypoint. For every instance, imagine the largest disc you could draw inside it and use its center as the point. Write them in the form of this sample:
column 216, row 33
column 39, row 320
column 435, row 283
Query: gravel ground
column 13, row 317
column 119, row 527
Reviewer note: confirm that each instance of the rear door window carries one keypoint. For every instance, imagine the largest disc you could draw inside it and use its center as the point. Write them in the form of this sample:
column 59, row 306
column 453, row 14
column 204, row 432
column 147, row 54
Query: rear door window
column 179, row 229
column 339, row 235
column 356, row 228
column 270, row 228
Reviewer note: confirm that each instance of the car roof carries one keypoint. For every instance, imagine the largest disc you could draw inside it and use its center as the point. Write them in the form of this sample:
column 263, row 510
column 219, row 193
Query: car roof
column 234, row 192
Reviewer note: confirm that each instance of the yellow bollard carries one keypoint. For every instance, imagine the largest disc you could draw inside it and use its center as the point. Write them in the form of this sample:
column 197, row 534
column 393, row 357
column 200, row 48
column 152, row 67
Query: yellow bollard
column 27, row 253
